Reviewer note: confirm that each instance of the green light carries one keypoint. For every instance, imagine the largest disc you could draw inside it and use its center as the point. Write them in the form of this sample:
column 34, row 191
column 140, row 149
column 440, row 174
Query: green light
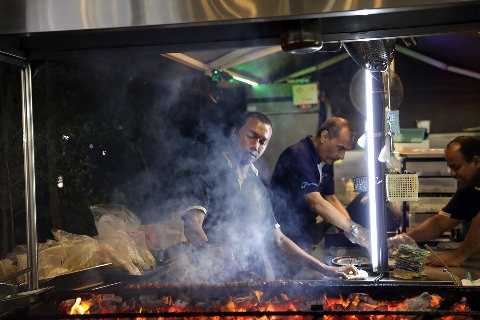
column 216, row 76
column 250, row 82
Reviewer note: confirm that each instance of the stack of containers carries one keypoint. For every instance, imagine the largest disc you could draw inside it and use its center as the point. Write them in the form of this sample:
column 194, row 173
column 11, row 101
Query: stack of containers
column 410, row 262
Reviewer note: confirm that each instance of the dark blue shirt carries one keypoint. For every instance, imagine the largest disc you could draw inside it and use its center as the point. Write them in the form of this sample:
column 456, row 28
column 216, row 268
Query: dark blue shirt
column 296, row 174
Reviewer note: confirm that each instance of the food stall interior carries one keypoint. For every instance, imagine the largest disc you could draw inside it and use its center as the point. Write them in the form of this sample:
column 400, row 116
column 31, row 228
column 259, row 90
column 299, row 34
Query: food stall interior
column 69, row 62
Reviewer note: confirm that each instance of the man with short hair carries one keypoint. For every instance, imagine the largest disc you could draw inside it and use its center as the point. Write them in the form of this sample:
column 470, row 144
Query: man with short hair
column 302, row 187
column 232, row 208
column 463, row 158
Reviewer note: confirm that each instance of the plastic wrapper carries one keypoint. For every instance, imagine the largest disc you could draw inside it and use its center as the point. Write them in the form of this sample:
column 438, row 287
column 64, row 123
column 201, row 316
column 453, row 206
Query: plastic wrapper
column 67, row 253
column 359, row 235
column 82, row 251
column 124, row 252
column 111, row 250
column 164, row 234
column 121, row 238
column 51, row 260
column 112, row 217
column 7, row 267
column 393, row 243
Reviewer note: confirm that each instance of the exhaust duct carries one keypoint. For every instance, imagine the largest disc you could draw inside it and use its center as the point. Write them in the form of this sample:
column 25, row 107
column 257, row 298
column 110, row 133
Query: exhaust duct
column 373, row 55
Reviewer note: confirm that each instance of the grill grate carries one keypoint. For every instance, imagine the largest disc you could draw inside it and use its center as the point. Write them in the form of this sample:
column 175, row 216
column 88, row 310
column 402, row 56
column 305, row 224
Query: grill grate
column 431, row 314
column 310, row 295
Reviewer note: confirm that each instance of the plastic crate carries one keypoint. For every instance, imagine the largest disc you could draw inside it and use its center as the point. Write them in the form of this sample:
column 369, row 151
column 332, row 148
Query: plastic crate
column 413, row 135
column 402, row 186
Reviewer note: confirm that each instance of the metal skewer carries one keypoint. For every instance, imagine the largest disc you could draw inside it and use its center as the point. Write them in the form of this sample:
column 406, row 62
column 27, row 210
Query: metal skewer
column 446, row 269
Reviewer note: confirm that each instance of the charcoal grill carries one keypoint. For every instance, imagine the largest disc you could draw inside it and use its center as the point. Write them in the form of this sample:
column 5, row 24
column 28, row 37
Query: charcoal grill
column 311, row 291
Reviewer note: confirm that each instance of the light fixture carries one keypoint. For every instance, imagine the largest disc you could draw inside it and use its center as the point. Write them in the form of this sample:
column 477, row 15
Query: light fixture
column 220, row 75
column 375, row 56
column 372, row 174
column 301, row 37
column 250, row 82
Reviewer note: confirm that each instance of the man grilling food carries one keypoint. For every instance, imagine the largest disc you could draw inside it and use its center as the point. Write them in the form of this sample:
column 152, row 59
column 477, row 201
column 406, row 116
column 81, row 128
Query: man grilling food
column 229, row 208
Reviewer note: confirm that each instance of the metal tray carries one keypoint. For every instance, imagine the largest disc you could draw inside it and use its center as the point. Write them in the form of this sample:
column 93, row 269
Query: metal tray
column 21, row 300
column 78, row 280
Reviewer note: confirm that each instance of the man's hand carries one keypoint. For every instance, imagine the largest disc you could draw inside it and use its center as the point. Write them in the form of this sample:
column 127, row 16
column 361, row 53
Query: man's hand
column 342, row 272
column 394, row 242
column 192, row 227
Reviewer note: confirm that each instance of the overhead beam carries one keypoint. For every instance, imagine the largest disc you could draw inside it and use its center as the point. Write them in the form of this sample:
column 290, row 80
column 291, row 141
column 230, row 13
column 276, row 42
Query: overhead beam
column 325, row 64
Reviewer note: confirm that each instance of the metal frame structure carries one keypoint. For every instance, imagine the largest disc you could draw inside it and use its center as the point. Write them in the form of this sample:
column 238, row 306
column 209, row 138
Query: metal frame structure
column 56, row 29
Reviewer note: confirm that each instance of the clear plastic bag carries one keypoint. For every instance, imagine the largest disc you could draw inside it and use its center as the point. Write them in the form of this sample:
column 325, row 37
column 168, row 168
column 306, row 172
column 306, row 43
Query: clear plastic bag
column 82, row 251
column 112, row 250
column 67, row 253
column 164, row 234
column 121, row 238
column 112, row 217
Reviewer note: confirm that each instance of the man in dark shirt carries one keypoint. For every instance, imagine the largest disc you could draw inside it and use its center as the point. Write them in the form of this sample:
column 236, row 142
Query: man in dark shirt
column 463, row 158
column 230, row 205
column 302, row 188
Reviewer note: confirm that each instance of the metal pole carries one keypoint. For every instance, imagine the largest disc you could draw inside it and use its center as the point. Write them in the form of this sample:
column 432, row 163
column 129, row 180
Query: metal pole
column 29, row 168
column 378, row 97
column 375, row 111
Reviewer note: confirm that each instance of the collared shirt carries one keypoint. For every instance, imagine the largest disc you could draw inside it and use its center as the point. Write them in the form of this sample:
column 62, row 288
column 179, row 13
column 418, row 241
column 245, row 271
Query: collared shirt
column 238, row 217
column 251, row 168
column 299, row 171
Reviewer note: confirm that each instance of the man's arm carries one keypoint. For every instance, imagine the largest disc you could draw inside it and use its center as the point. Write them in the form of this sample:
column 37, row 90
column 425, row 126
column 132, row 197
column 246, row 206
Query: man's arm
column 469, row 246
column 429, row 229
column 192, row 227
column 339, row 218
column 294, row 252
column 432, row 228
column 329, row 211
column 338, row 205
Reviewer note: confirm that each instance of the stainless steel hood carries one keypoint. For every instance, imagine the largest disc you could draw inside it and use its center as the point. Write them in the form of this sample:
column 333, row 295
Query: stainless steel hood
column 45, row 29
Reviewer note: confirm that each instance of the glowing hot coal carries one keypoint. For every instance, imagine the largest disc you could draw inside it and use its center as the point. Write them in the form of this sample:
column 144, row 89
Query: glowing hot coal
column 80, row 307
column 152, row 304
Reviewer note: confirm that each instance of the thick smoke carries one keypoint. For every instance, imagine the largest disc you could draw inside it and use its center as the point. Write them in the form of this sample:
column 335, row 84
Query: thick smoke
column 168, row 122
column 179, row 129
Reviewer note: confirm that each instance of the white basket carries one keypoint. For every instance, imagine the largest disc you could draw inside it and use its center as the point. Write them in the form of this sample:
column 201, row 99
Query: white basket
column 402, row 186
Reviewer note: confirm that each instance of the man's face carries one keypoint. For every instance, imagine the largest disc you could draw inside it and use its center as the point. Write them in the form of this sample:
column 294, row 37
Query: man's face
column 466, row 173
column 250, row 142
column 333, row 149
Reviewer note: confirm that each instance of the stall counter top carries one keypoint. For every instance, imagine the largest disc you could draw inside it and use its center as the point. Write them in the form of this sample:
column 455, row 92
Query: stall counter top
column 472, row 265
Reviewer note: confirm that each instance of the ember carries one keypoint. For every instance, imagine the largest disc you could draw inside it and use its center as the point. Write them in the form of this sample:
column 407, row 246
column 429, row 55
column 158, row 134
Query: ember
column 252, row 307
column 109, row 303
column 79, row 307
column 363, row 302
